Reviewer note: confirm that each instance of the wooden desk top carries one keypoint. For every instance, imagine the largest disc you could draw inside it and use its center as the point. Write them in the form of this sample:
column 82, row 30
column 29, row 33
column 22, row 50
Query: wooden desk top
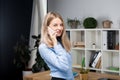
column 91, row 76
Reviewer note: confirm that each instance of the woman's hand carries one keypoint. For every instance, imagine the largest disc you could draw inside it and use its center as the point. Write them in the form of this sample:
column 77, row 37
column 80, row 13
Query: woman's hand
column 52, row 35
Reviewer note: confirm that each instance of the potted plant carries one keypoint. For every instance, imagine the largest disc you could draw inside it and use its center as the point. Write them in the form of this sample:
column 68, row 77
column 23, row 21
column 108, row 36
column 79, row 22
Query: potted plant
column 73, row 23
column 83, row 71
column 22, row 54
column 40, row 64
column 90, row 22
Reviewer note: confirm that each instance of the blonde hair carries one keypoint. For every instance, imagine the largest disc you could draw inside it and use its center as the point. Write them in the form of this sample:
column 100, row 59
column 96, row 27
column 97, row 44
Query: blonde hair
column 44, row 33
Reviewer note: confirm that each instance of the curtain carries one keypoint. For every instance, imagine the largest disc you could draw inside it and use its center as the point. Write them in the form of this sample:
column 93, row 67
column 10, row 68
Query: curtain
column 38, row 12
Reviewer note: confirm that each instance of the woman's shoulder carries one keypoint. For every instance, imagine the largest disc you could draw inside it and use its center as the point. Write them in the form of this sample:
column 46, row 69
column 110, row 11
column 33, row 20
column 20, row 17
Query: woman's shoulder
column 42, row 45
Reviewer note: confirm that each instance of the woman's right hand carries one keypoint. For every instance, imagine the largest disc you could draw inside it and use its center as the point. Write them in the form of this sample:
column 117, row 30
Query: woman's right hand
column 52, row 35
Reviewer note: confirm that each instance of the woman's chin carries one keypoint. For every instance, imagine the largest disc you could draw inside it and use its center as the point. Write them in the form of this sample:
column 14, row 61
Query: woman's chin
column 58, row 35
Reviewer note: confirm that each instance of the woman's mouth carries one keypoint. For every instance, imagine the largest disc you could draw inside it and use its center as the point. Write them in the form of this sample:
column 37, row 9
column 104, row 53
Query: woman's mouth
column 58, row 32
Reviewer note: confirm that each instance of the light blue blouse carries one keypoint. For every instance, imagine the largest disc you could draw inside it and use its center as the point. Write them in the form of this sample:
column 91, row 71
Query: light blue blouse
column 58, row 60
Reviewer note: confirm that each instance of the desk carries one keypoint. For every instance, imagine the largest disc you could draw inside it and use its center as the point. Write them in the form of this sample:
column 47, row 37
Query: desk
column 91, row 76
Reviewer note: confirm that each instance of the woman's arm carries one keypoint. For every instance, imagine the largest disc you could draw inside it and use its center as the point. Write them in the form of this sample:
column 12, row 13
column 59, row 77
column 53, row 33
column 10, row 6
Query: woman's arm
column 57, row 58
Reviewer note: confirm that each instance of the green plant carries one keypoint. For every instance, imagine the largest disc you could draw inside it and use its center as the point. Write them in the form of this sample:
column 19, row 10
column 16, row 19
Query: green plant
column 82, row 69
column 40, row 64
column 73, row 23
column 22, row 53
column 90, row 22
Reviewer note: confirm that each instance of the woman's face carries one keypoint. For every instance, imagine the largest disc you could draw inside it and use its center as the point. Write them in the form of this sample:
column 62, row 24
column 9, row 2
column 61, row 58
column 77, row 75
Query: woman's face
column 57, row 25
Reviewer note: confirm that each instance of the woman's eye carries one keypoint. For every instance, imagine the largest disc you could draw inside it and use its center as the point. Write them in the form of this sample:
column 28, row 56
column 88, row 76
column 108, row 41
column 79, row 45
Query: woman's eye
column 55, row 24
column 58, row 24
column 61, row 25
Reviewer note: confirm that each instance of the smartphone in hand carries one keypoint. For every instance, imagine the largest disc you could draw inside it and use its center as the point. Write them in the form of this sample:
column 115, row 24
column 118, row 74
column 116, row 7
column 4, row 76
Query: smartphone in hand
column 51, row 30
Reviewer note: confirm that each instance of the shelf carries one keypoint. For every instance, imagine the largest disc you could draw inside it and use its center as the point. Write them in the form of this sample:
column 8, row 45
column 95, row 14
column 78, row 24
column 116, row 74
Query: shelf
column 110, row 56
column 76, row 66
column 77, row 48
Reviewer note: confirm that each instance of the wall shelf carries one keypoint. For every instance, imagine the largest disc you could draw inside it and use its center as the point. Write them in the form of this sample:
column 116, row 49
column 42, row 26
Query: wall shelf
column 109, row 57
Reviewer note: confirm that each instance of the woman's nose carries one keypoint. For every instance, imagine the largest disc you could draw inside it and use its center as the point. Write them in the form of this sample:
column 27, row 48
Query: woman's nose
column 59, row 27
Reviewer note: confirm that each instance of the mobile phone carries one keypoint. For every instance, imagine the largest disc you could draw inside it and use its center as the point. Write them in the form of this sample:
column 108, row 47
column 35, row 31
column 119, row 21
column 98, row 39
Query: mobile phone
column 51, row 30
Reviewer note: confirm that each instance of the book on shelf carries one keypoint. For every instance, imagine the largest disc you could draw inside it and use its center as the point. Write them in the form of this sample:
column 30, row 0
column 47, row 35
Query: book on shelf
column 92, row 58
column 96, row 59
column 98, row 65
column 111, row 39
column 104, row 40
column 113, row 68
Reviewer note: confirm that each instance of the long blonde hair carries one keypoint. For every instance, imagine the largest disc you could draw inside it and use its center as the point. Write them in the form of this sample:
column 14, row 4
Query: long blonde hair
column 44, row 33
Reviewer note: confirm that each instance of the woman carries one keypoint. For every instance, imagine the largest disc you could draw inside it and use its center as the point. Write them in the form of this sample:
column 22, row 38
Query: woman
column 55, row 47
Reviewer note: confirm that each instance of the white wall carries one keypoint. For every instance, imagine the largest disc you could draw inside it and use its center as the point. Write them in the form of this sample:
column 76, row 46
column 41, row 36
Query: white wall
column 99, row 9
